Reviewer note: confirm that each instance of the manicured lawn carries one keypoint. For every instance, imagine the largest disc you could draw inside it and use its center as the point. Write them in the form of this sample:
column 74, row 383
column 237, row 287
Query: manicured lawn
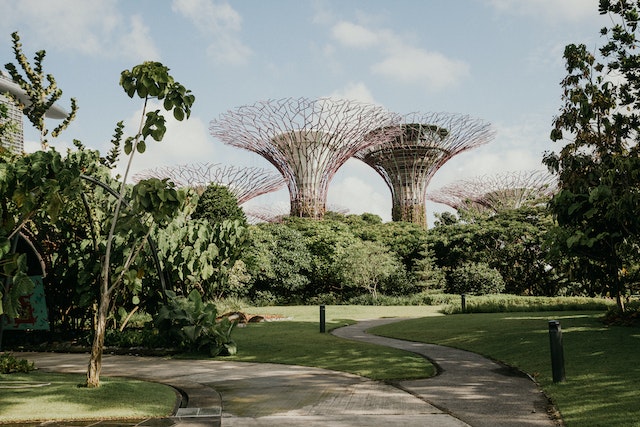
column 298, row 341
column 46, row 396
column 602, row 366
column 602, row 363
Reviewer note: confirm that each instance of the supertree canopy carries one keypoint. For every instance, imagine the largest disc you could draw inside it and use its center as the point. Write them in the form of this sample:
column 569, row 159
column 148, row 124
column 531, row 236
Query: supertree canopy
column 408, row 160
column 306, row 140
column 496, row 193
column 245, row 183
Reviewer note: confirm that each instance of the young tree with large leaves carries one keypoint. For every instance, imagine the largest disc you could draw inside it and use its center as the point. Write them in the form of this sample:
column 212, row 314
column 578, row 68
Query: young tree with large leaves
column 597, row 206
column 152, row 198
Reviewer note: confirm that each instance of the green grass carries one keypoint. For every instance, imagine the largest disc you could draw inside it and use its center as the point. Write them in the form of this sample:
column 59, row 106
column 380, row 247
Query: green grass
column 512, row 303
column 307, row 313
column 298, row 341
column 601, row 362
column 39, row 396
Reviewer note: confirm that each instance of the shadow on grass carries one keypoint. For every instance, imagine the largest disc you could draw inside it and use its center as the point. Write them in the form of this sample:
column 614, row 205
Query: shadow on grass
column 601, row 362
column 64, row 399
column 301, row 343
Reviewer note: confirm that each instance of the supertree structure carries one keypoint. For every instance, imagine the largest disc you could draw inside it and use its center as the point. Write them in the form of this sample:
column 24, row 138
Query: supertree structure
column 408, row 160
column 245, row 183
column 306, row 140
column 265, row 213
column 495, row 193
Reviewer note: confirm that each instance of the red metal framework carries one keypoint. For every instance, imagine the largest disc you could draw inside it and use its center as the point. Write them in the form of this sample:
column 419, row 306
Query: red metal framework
column 495, row 193
column 244, row 182
column 306, row 140
column 408, row 160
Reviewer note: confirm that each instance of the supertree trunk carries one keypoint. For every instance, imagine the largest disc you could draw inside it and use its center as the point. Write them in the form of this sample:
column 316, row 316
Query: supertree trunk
column 306, row 140
column 408, row 159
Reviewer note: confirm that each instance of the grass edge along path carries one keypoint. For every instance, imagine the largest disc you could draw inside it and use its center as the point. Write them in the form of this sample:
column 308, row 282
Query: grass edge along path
column 55, row 397
column 601, row 362
column 296, row 340
column 275, row 342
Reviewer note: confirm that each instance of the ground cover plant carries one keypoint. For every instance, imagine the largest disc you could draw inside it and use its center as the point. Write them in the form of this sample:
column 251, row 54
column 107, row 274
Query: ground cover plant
column 600, row 361
column 40, row 396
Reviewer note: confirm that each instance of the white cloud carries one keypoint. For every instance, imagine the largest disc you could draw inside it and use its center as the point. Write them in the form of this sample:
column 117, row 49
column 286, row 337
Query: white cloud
column 353, row 35
column 221, row 24
column 94, row 28
column 356, row 91
column 402, row 61
column 431, row 70
column 138, row 43
column 359, row 197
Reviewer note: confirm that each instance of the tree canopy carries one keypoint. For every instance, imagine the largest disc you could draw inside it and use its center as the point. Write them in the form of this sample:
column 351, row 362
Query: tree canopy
column 598, row 201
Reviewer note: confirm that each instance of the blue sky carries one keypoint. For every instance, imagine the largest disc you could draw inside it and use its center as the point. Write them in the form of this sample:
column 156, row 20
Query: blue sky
column 497, row 60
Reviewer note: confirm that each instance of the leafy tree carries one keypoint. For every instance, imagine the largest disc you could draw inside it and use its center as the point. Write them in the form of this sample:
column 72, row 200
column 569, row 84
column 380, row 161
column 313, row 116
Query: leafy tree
column 368, row 266
column 405, row 239
column 279, row 263
column 513, row 242
column 598, row 169
column 327, row 242
column 154, row 198
column 218, row 204
column 476, row 278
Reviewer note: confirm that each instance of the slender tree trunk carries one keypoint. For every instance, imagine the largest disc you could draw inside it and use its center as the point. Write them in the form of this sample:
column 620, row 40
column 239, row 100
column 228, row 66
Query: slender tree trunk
column 95, row 361
column 616, row 289
column 620, row 301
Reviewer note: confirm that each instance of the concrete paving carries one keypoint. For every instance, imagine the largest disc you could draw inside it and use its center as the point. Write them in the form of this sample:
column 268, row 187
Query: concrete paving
column 469, row 391
column 475, row 389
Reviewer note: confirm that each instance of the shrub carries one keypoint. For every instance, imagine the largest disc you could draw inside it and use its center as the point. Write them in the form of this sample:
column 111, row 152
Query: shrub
column 515, row 303
column 191, row 324
column 9, row 364
column 475, row 278
column 133, row 337
column 630, row 317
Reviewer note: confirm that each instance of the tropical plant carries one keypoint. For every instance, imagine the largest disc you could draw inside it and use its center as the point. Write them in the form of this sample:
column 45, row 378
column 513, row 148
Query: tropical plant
column 10, row 365
column 191, row 324
column 198, row 254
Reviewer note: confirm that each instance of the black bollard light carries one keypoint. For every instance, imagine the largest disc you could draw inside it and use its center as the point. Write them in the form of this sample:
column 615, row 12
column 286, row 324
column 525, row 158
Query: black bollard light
column 322, row 322
column 557, row 352
column 463, row 302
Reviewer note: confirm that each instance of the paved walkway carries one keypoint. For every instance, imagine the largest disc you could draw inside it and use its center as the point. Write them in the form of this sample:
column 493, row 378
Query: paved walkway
column 470, row 391
column 473, row 388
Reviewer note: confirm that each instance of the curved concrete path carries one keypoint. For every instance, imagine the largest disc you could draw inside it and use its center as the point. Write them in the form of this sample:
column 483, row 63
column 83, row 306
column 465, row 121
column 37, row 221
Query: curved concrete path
column 475, row 389
column 470, row 390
